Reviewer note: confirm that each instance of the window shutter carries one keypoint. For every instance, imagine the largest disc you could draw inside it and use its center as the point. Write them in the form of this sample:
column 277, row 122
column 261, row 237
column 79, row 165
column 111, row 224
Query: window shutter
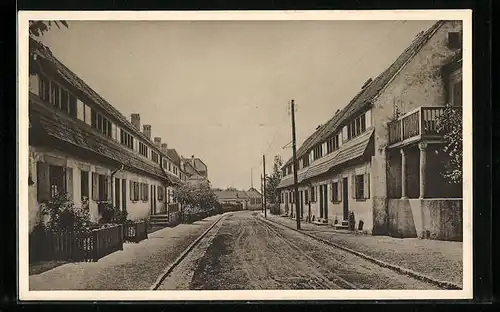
column 339, row 189
column 131, row 190
column 331, row 192
column 69, row 182
column 109, row 179
column 43, row 182
column 95, row 190
column 353, row 186
column 367, row 185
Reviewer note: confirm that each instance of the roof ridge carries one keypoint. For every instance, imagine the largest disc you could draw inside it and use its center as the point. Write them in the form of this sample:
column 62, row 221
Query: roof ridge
column 419, row 40
column 114, row 110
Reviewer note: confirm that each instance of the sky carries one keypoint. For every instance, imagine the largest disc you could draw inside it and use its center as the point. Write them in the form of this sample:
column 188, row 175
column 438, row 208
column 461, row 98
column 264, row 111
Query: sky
column 220, row 90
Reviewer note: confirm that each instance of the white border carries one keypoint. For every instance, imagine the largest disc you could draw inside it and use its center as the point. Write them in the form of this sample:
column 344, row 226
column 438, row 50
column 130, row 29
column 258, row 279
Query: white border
column 23, row 77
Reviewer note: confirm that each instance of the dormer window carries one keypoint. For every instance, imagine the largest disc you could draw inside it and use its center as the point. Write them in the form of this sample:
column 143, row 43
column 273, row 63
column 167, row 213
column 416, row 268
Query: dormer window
column 356, row 127
column 332, row 144
column 305, row 161
column 318, row 151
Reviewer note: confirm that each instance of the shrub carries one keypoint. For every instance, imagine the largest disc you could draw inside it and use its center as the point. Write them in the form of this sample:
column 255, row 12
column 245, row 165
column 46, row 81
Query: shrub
column 111, row 214
column 65, row 216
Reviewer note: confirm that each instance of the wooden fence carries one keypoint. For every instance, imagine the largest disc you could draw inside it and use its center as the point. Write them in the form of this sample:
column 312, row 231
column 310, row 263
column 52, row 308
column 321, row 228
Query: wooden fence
column 69, row 247
column 135, row 232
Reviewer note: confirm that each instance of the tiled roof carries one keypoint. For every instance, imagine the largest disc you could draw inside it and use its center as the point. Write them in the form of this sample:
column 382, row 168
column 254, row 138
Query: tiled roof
column 172, row 154
column 44, row 52
column 363, row 99
column 225, row 195
column 46, row 120
column 353, row 149
column 252, row 192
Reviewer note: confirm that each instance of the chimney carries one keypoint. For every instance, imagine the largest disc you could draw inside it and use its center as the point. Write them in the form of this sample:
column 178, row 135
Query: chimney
column 164, row 147
column 135, row 119
column 366, row 83
column 146, row 129
column 192, row 159
column 158, row 142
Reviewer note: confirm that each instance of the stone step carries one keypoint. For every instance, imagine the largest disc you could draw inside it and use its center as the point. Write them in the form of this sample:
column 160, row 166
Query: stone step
column 341, row 227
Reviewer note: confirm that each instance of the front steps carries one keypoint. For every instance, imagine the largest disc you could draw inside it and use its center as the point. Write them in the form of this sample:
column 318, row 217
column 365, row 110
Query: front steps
column 159, row 220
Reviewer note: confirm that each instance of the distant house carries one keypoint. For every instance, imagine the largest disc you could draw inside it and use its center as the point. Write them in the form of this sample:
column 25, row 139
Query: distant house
column 379, row 157
column 255, row 201
column 233, row 197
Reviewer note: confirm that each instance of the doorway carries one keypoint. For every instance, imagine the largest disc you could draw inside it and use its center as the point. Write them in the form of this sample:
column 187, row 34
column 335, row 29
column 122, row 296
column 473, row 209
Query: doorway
column 323, row 201
column 153, row 201
column 345, row 199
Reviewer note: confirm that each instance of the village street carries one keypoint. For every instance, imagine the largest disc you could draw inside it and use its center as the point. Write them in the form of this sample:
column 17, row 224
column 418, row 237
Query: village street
column 244, row 250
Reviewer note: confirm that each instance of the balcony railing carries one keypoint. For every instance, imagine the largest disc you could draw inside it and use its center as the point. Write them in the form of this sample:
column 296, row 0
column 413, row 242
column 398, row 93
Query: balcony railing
column 421, row 121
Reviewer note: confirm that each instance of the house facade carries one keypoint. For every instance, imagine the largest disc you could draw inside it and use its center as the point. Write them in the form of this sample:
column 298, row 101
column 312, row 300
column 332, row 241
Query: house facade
column 380, row 157
column 81, row 145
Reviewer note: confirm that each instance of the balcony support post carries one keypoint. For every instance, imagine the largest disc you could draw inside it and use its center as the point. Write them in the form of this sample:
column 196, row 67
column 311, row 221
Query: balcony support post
column 403, row 173
column 423, row 167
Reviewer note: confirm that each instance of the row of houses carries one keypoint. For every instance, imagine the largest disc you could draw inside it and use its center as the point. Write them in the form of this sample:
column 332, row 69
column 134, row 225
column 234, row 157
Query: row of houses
column 380, row 156
column 81, row 145
column 250, row 199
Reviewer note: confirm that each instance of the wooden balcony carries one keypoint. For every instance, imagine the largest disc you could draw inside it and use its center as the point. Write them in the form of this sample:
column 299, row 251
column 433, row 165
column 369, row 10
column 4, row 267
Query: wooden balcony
column 415, row 125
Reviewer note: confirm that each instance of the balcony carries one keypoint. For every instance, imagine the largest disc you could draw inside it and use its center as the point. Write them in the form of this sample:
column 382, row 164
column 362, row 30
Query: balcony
column 415, row 125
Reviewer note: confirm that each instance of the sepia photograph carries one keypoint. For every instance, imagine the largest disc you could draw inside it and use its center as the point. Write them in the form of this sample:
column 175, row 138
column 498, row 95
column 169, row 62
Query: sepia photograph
column 238, row 156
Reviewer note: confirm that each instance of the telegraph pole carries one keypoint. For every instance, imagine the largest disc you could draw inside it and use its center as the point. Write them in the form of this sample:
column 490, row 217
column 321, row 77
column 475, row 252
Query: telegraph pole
column 264, row 182
column 295, row 167
column 261, row 195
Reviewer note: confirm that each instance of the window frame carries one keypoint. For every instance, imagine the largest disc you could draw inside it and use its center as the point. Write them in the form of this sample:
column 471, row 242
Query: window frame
column 359, row 185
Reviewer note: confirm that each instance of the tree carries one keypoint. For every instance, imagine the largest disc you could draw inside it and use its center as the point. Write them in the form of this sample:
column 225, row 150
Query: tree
column 273, row 180
column 230, row 188
column 38, row 28
column 450, row 125
column 196, row 196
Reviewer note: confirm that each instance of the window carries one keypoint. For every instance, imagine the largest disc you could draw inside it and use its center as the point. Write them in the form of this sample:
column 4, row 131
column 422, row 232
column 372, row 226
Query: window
column 134, row 191
column 258, row 201
column 56, row 178
column 361, row 186
column 143, row 149
column 318, row 151
column 282, row 197
column 155, row 157
column 169, row 166
column 252, row 201
column 161, row 191
column 454, row 41
column 144, row 192
column 57, row 96
column 305, row 161
column 100, row 123
column 332, row 144
column 126, row 139
column 44, row 88
column 101, row 185
column 84, row 184
column 313, row 194
column 335, row 192
column 356, row 127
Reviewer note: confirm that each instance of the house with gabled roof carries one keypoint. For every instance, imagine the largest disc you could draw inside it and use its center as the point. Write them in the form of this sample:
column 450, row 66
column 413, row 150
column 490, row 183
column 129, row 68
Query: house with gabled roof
column 81, row 145
column 379, row 157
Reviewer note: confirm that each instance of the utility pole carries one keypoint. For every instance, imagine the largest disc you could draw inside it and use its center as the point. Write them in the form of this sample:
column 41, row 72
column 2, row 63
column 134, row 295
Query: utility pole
column 261, row 195
column 295, row 167
column 264, row 169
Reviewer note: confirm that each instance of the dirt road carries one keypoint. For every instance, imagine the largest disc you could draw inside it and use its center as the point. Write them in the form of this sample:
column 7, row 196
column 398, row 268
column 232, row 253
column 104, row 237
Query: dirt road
column 243, row 251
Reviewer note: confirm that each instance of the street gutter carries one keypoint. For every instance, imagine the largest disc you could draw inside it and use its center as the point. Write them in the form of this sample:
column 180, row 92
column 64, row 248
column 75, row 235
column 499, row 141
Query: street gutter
column 183, row 255
column 408, row 272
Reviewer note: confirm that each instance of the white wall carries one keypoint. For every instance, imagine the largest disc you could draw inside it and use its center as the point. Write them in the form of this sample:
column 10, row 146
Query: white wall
column 136, row 210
